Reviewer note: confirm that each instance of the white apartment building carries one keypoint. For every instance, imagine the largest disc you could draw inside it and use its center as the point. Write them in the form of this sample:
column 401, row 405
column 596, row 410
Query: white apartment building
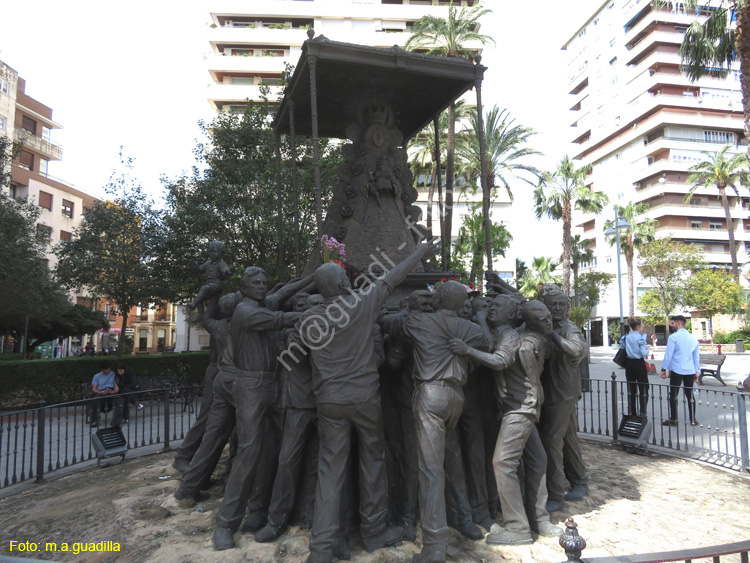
column 641, row 124
column 252, row 42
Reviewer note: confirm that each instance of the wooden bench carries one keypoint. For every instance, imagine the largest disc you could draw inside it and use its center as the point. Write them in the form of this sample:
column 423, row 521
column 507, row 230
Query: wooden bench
column 712, row 360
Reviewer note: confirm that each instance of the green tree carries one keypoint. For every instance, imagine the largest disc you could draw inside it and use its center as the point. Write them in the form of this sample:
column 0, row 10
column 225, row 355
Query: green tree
column 8, row 151
column 557, row 194
column 113, row 253
column 520, row 271
column 449, row 38
column 580, row 253
column 423, row 161
column 64, row 320
column 231, row 196
column 667, row 264
column 639, row 231
column 721, row 171
column 469, row 245
column 540, row 272
column 652, row 308
column 26, row 288
column 591, row 285
column 713, row 291
column 505, row 148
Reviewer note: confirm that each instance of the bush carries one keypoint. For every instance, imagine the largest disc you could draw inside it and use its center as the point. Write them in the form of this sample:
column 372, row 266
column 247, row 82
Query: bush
column 720, row 338
column 25, row 383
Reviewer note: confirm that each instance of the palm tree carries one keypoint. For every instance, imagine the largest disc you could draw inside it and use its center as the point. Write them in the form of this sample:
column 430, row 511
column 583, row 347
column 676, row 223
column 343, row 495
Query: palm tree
column 632, row 238
column 557, row 194
column 423, row 161
column 722, row 171
column 580, row 253
column 504, row 147
column 449, row 38
column 715, row 44
column 537, row 275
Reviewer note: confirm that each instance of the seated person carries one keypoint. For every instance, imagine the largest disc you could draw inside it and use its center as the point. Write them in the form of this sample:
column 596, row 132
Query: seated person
column 127, row 381
column 103, row 386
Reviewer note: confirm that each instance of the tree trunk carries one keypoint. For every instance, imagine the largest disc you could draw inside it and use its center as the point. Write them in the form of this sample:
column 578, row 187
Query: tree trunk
column 430, row 197
column 566, row 216
column 629, row 262
column 450, row 149
column 742, row 44
column 574, row 267
column 730, row 230
column 121, row 340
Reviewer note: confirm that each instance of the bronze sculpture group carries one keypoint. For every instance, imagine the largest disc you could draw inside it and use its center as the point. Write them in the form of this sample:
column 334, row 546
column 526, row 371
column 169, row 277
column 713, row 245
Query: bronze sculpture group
column 302, row 375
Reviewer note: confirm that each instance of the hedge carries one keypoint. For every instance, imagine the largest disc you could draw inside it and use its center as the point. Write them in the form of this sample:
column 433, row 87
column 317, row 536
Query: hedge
column 25, row 383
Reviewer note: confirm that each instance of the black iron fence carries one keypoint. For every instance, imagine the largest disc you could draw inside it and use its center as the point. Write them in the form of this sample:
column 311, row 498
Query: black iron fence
column 38, row 441
column 720, row 436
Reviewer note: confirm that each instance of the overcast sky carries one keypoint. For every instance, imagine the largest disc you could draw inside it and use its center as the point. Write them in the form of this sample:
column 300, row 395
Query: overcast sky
column 132, row 75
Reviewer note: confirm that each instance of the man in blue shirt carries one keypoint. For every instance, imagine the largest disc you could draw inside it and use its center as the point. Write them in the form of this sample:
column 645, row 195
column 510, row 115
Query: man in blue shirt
column 682, row 359
column 103, row 386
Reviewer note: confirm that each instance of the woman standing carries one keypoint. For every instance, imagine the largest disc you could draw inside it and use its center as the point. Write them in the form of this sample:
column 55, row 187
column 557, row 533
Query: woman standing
column 636, row 373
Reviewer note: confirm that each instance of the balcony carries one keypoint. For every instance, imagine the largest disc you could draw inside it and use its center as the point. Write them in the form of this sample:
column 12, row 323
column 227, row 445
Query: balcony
column 256, row 36
column 640, row 49
column 217, row 64
column 611, row 138
column 46, row 148
column 237, row 93
column 654, row 17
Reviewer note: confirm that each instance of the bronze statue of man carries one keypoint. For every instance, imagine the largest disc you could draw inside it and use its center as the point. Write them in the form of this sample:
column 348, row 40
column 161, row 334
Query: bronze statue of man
column 562, row 390
column 254, row 391
column 337, row 334
column 518, row 361
column 439, row 377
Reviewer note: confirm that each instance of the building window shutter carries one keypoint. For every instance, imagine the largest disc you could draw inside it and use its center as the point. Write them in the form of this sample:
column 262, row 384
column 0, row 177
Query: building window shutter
column 45, row 200
column 28, row 124
column 27, row 160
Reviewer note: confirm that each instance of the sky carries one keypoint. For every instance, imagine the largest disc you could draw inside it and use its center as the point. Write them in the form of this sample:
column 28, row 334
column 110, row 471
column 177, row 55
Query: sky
column 132, row 75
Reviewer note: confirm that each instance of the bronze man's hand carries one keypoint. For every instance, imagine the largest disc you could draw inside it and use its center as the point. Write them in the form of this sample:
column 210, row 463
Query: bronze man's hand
column 459, row 347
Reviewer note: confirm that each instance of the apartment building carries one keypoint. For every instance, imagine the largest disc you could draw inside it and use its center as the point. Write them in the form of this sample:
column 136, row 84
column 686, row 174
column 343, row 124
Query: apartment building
column 29, row 123
column 253, row 42
column 641, row 124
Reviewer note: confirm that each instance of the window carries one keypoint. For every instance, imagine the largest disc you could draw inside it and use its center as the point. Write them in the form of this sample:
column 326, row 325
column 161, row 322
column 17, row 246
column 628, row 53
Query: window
column 45, row 200
column 44, row 233
column 3, row 123
column 46, row 133
column 28, row 124
column 696, row 201
column 245, row 80
column 142, row 340
column 43, row 166
column 106, row 309
column 67, row 208
column 65, row 236
column 715, row 225
column 161, row 339
column 4, row 86
column 618, row 156
column 696, row 225
column 613, row 61
column 26, row 160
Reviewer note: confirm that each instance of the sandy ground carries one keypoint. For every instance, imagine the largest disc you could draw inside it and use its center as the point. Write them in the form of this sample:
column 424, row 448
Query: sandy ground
column 636, row 505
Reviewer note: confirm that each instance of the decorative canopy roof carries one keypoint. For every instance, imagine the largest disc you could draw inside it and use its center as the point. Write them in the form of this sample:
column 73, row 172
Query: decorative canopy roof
column 417, row 87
